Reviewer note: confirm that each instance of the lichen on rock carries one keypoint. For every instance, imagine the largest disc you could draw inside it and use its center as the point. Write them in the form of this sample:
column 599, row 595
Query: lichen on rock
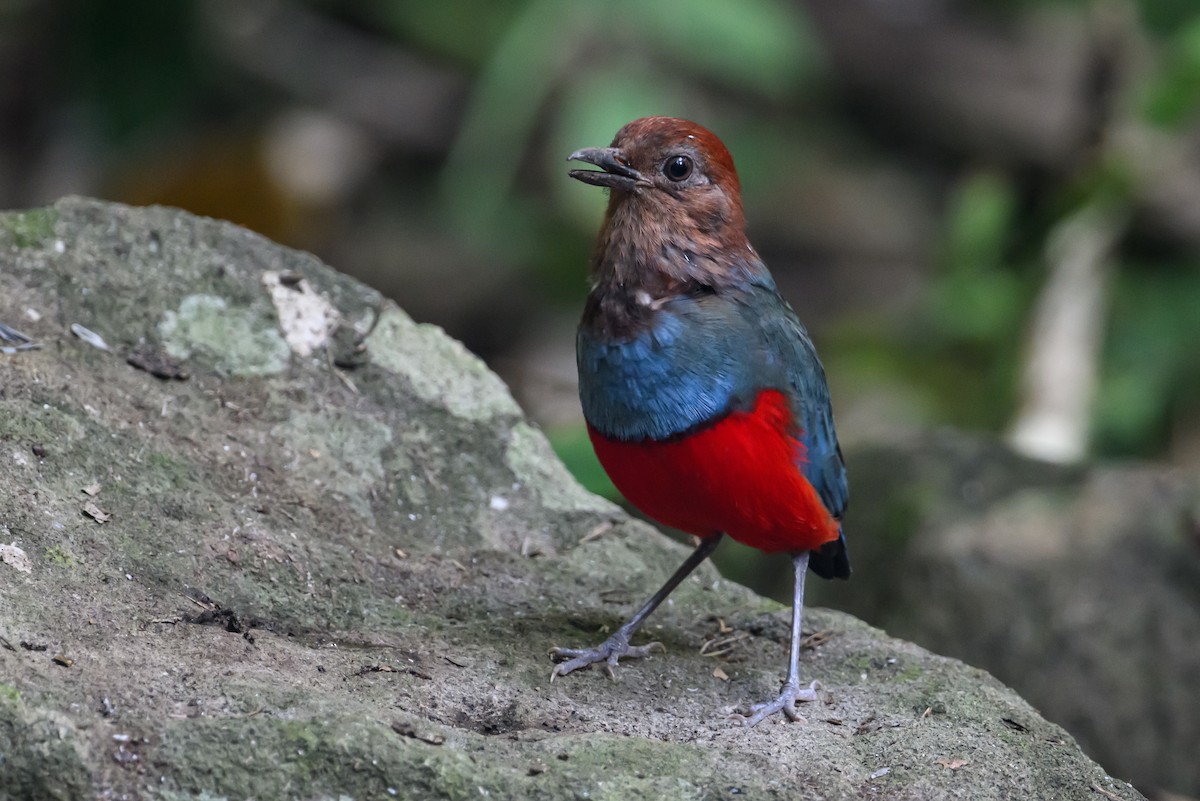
column 240, row 342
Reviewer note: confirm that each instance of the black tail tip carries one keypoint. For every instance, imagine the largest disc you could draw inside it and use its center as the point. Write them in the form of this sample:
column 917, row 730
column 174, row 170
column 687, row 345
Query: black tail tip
column 831, row 560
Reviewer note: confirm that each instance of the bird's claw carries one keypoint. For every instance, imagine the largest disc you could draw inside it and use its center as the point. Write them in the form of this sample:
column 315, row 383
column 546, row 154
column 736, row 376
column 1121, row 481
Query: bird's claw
column 786, row 703
column 608, row 652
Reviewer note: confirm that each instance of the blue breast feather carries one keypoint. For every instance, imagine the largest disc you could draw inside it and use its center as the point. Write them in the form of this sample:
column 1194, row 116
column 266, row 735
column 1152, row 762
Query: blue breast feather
column 659, row 384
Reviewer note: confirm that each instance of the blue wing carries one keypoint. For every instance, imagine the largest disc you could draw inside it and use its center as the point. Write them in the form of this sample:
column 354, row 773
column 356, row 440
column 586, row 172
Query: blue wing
column 789, row 348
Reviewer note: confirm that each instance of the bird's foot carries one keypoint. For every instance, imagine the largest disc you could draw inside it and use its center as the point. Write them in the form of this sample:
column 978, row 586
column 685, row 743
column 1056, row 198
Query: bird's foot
column 786, row 703
column 608, row 652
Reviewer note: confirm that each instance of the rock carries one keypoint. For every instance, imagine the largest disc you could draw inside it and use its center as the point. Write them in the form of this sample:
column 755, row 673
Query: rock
column 1079, row 586
column 322, row 582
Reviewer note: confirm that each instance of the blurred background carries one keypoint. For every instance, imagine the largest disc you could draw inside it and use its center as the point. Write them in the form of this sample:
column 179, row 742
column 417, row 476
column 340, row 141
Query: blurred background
column 988, row 213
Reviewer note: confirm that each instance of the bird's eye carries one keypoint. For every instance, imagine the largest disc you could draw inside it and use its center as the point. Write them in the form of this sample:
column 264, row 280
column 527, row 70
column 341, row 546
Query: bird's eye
column 678, row 168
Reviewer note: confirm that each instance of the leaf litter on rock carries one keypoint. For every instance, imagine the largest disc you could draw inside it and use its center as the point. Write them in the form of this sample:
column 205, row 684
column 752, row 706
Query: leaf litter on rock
column 14, row 341
column 96, row 513
column 157, row 363
column 362, row 671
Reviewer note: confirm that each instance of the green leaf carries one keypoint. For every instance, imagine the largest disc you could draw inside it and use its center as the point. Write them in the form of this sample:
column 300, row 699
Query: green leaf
column 979, row 219
column 478, row 181
column 758, row 45
column 1150, row 359
column 982, row 307
column 1173, row 96
column 464, row 29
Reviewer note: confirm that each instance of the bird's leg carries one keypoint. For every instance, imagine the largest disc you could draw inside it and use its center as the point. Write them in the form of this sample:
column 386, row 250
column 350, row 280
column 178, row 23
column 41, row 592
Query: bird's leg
column 792, row 692
column 618, row 645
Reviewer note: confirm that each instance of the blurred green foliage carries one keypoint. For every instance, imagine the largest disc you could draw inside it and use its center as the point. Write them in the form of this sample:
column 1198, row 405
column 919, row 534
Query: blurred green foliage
column 1173, row 96
column 1162, row 18
column 573, row 446
column 993, row 262
column 134, row 65
column 439, row 27
column 544, row 77
column 977, row 298
column 1152, row 359
column 962, row 354
column 643, row 58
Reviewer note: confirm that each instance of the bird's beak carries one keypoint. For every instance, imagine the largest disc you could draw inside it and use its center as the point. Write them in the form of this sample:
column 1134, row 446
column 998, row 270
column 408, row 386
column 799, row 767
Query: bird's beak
column 614, row 172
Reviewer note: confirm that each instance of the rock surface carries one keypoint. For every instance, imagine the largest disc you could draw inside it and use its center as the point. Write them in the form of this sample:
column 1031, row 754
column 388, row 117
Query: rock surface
column 287, row 576
column 1079, row 587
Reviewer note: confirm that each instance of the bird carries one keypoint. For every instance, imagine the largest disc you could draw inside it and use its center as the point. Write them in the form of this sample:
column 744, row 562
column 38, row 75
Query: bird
column 703, row 394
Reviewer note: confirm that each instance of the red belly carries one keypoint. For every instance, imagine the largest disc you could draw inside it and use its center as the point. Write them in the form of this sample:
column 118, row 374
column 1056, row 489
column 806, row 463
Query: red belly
column 739, row 476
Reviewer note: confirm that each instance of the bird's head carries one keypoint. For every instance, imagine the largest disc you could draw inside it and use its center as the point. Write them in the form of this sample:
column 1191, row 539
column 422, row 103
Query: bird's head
column 665, row 162
column 664, row 153
column 675, row 203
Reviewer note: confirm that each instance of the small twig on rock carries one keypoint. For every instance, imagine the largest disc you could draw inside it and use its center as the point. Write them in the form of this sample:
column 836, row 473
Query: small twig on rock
column 1105, row 793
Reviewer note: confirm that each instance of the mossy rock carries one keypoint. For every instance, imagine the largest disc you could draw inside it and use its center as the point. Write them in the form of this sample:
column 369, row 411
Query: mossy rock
column 301, row 578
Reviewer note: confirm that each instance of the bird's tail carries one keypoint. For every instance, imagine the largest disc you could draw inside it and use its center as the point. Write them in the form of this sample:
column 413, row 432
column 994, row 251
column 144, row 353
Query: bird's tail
column 831, row 560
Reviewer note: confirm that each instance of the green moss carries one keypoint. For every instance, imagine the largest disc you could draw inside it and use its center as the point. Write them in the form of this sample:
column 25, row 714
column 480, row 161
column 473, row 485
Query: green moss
column 29, row 421
column 861, row 663
column 680, row 772
column 31, row 228
column 367, row 759
column 358, row 758
column 40, row 755
column 60, row 556
column 204, row 795
column 165, row 472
